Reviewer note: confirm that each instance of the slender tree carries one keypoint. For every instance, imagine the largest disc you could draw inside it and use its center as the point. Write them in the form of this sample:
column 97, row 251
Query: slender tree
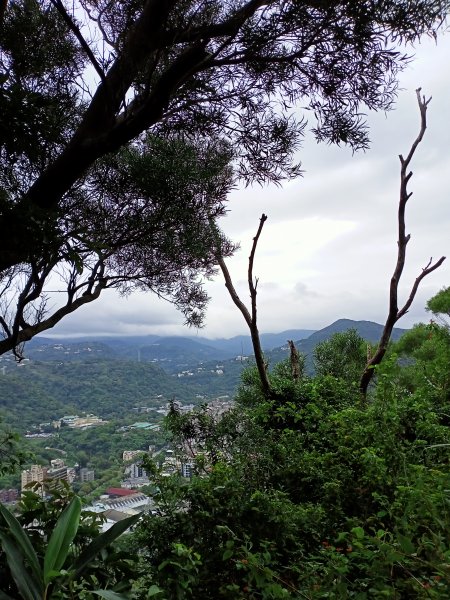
column 395, row 313
column 250, row 316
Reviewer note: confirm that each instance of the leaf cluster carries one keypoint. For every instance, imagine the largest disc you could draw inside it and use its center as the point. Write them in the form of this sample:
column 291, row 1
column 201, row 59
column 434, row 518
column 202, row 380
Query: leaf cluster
column 310, row 494
column 51, row 551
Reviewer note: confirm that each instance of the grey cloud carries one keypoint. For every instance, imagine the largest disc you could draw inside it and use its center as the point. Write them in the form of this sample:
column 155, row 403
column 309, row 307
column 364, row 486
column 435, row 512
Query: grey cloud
column 301, row 290
column 349, row 275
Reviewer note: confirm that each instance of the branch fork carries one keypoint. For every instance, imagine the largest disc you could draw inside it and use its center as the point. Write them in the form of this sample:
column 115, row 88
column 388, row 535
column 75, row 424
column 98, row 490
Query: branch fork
column 394, row 314
column 250, row 318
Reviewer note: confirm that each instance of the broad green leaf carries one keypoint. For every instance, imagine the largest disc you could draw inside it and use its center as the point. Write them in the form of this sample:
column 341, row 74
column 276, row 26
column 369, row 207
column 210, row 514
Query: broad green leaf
column 227, row 554
column 29, row 588
column 102, row 541
column 110, row 595
column 153, row 590
column 358, row 532
column 53, row 575
column 22, row 541
column 61, row 538
column 405, row 544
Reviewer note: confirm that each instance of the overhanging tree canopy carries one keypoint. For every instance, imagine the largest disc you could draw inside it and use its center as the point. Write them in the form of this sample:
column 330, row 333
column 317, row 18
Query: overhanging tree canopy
column 86, row 86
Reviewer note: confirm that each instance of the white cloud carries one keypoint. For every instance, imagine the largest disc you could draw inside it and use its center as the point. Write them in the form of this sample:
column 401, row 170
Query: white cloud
column 329, row 246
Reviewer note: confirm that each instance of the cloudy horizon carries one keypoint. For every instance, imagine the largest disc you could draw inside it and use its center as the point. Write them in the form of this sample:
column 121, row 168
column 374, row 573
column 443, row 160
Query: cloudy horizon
column 328, row 248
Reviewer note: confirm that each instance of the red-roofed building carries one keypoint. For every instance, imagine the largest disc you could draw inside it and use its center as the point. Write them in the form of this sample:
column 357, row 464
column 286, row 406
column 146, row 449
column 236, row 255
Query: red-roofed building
column 120, row 492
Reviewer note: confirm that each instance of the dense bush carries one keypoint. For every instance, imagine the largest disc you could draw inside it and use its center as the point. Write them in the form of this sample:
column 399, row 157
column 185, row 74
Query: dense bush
column 308, row 495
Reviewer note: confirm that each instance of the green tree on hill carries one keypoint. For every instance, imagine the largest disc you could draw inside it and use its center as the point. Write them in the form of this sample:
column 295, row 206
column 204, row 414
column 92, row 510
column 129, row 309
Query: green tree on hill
column 439, row 305
column 344, row 355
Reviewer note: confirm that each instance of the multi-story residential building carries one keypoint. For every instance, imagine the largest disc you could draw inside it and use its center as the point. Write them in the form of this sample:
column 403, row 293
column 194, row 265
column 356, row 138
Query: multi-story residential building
column 135, row 470
column 86, row 475
column 36, row 474
column 57, row 472
column 187, row 469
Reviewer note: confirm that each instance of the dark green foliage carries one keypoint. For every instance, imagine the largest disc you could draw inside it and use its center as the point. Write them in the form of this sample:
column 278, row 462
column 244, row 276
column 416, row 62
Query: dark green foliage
column 344, row 356
column 37, row 111
column 54, row 550
column 439, row 305
column 309, row 495
column 12, row 455
column 423, row 372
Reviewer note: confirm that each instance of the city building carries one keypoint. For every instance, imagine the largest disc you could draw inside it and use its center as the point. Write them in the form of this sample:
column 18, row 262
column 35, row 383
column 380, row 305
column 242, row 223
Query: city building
column 121, row 506
column 35, row 475
column 57, row 472
column 187, row 470
column 86, row 474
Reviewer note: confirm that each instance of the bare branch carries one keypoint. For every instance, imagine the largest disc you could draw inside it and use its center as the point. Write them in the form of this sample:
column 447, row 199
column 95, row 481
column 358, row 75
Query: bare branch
column 394, row 314
column 295, row 361
column 252, row 287
column 5, row 326
column 77, row 33
column 425, row 271
column 232, row 291
column 250, row 319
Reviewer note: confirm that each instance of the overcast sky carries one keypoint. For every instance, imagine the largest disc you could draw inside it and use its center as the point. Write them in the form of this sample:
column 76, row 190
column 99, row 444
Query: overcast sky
column 328, row 248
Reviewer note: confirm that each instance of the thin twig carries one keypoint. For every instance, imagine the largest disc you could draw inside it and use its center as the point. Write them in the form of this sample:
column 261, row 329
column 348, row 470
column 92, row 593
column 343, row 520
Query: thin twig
column 77, row 33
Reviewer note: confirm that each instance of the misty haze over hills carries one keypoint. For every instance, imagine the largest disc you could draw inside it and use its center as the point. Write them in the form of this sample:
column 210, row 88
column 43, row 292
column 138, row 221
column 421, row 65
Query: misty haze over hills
column 190, row 349
column 111, row 375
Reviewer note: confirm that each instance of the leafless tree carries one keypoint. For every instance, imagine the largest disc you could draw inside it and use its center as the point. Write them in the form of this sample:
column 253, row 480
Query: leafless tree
column 250, row 316
column 395, row 313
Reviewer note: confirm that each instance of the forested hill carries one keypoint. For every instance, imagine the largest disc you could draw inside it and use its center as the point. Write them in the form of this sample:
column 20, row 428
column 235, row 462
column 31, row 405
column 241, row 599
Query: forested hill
column 41, row 391
column 368, row 330
column 114, row 375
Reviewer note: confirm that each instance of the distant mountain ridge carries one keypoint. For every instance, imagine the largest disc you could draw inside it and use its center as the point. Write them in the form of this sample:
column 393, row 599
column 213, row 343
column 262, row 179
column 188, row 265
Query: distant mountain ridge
column 368, row 330
column 110, row 376
column 181, row 353
column 154, row 348
column 174, row 352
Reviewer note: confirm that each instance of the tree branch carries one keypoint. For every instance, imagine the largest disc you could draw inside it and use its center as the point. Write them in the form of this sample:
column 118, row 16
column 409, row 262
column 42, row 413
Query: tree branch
column 394, row 314
column 224, row 29
column 26, row 334
column 77, row 33
column 250, row 319
column 295, row 360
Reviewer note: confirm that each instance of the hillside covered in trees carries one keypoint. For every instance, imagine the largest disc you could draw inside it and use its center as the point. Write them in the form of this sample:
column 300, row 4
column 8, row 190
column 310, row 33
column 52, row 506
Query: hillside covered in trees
column 112, row 377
